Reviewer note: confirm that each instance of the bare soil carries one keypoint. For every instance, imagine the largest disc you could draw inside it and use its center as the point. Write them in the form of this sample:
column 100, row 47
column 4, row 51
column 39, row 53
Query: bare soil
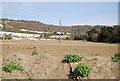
column 48, row 63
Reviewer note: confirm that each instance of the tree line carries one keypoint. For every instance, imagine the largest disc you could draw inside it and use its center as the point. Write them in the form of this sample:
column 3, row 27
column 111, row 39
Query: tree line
column 110, row 34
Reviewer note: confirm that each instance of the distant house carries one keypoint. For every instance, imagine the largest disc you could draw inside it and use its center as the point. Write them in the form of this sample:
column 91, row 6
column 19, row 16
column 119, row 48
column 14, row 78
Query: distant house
column 1, row 25
column 7, row 35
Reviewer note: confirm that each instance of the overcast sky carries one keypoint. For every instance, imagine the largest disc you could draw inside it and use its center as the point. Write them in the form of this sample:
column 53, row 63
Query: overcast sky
column 71, row 13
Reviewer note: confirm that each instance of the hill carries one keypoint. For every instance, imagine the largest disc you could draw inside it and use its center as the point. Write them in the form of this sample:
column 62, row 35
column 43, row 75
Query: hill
column 17, row 25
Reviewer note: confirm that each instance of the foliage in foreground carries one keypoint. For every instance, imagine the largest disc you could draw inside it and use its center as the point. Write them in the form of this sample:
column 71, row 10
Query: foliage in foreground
column 72, row 58
column 116, row 58
column 82, row 70
column 34, row 52
column 13, row 66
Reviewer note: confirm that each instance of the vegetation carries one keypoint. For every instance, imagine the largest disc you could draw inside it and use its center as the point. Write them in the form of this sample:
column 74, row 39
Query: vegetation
column 108, row 34
column 96, row 54
column 34, row 52
column 72, row 58
column 92, row 35
column 82, row 36
column 5, row 38
column 82, row 70
column 16, row 25
column 116, row 58
column 13, row 66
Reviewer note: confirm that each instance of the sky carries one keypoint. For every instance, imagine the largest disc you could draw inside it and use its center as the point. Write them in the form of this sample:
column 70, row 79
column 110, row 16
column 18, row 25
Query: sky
column 70, row 13
column 60, row 0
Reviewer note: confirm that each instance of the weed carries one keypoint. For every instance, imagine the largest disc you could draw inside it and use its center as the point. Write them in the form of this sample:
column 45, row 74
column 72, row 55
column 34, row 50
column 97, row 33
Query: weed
column 82, row 70
column 14, row 55
column 45, row 73
column 116, row 57
column 45, row 52
column 13, row 66
column 34, row 52
column 96, row 54
column 72, row 58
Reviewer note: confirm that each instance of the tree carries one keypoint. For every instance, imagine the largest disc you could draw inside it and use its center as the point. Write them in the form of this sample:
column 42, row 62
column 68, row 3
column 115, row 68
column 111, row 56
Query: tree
column 92, row 35
column 109, row 34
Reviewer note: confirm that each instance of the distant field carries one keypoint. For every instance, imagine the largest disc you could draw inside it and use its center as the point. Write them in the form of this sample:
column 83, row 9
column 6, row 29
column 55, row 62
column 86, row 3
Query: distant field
column 55, row 48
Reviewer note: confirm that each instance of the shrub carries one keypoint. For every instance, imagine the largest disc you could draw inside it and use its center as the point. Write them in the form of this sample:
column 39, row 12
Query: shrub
column 117, row 55
column 34, row 52
column 116, row 58
column 13, row 66
column 82, row 70
column 72, row 58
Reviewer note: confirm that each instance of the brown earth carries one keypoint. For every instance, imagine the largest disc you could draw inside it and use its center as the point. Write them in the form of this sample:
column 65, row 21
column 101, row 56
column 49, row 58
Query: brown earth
column 48, row 64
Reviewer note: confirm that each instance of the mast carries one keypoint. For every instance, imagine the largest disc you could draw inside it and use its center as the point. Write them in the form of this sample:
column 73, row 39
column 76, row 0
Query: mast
column 60, row 32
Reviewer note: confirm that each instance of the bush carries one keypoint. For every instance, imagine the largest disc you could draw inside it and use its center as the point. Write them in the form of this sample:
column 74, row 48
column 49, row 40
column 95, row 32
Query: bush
column 72, row 58
column 116, row 58
column 34, row 52
column 81, row 36
column 117, row 55
column 13, row 66
column 82, row 70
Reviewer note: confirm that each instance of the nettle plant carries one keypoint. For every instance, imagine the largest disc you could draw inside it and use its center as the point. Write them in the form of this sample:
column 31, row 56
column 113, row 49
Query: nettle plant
column 72, row 58
column 82, row 70
column 13, row 66
column 116, row 58
column 34, row 52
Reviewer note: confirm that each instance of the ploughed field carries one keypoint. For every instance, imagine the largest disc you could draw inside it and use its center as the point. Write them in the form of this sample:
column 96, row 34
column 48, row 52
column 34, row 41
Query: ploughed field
column 48, row 63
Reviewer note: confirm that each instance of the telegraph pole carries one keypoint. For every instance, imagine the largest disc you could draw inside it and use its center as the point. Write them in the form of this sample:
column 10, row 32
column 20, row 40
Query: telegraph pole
column 60, row 32
column 3, row 28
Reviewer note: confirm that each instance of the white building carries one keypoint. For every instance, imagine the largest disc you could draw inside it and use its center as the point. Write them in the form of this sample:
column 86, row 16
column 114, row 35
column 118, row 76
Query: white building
column 19, row 36
column 1, row 25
